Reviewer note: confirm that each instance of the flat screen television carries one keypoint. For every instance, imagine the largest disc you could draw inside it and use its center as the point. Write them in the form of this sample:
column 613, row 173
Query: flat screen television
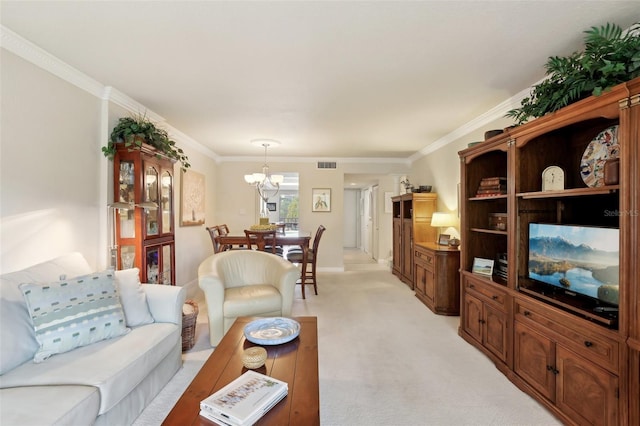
column 579, row 261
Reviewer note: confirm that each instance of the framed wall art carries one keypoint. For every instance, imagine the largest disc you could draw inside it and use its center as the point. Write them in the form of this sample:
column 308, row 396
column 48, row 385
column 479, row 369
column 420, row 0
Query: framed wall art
column 192, row 190
column 321, row 199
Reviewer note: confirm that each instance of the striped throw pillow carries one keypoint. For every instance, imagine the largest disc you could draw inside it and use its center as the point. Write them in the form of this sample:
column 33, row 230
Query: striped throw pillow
column 76, row 312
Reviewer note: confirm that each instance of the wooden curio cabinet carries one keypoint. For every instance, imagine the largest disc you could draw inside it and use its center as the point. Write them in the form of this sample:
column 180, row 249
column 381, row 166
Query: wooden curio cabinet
column 145, row 231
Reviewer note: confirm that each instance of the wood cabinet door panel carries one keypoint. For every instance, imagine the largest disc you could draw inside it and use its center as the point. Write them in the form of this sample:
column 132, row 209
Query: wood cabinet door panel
column 420, row 279
column 495, row 338
column 407, row 249
column 473, row 317
column 534, row 358
column 397, row 244
column 429, row 285
column 585, row 392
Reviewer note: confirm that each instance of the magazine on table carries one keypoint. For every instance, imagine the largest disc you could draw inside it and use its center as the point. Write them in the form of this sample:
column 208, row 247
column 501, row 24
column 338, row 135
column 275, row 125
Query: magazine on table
column 245, row 400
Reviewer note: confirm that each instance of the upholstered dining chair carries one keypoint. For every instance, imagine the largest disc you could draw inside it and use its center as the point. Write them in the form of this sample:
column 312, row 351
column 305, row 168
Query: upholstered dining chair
column 245, row 283
column 296, row 255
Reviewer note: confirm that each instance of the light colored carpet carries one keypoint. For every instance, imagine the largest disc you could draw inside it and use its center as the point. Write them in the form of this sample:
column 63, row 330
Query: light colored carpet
column 385, row 359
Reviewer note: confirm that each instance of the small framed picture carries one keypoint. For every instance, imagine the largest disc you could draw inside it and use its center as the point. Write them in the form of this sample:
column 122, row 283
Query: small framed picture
column 321, row 199
column 482, row 266
column 271, row 207
column 443, row 239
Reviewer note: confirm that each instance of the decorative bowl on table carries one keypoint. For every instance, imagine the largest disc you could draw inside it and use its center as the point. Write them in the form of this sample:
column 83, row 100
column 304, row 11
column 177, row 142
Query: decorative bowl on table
column 272, row 331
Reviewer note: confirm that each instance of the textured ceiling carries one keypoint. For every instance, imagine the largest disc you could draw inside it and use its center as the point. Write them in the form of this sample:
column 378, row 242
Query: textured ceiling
column 327, row 79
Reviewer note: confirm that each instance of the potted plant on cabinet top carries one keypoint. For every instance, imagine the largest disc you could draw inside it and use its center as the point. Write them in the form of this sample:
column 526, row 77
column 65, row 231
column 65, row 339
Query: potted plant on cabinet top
column 134, row 131
column 610, row 57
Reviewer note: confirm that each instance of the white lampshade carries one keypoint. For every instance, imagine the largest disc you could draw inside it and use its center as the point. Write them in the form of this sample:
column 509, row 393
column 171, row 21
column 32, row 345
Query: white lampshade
column 277, row 179
column 442, row 220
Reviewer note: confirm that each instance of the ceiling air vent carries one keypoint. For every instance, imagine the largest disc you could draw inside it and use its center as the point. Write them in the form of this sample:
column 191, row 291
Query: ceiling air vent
column 326, row 164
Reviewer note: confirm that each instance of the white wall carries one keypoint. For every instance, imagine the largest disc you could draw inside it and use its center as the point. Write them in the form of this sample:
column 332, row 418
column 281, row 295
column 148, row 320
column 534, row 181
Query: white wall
column 441, row 169
column 55, row 181
column 49, row 155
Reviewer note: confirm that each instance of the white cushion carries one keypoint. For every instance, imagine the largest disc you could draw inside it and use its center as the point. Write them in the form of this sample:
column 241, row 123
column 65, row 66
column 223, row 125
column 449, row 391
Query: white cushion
column 251, row 300
column 43, row 405
column 75, row 312
column 18, row 343
column 133, row 298
column 115, row 366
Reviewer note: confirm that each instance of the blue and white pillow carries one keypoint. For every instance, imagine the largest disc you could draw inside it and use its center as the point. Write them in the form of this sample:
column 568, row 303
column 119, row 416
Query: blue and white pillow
column 76, row 312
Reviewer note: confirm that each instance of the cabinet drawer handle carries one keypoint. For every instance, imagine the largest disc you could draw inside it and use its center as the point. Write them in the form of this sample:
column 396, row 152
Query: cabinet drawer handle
column 527, row 313
column 472, row 286
column 494, row 297
column 481, row 321
column 588, row 343
column 552, row 369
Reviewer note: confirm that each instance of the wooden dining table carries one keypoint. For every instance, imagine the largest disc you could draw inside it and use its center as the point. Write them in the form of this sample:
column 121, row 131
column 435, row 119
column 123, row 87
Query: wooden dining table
column 288, row 238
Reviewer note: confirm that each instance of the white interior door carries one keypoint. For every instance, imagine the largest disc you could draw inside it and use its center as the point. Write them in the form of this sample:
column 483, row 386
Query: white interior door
column 374, row 222
column 350, row 237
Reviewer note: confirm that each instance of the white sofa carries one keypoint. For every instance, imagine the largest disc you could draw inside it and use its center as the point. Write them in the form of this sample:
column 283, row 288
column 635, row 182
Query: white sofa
column 245, row 283
column 105, row 383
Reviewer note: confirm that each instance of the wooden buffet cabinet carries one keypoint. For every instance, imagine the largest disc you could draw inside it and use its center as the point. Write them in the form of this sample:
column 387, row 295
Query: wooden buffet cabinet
column 145, row 236
column 436, row 277
column 582, row 365
column 411, row 223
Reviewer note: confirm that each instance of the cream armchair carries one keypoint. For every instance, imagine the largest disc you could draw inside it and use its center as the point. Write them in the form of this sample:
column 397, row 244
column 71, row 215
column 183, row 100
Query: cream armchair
column 245, row 283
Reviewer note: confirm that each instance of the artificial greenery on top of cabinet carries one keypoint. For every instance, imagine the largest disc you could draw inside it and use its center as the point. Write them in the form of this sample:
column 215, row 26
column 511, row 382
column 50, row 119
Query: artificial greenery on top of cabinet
column 611, row 56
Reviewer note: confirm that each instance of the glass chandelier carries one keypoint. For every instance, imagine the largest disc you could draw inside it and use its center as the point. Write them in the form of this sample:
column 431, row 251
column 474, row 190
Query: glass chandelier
column 266, row 184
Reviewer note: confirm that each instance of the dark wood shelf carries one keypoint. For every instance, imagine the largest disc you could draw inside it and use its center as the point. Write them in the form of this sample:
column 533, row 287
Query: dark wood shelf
column 573, row 192
column 489, row 231
column 492, row 197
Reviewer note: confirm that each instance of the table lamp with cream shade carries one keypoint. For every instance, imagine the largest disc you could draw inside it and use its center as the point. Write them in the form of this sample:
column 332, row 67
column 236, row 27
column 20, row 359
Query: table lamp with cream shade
column 443, row 220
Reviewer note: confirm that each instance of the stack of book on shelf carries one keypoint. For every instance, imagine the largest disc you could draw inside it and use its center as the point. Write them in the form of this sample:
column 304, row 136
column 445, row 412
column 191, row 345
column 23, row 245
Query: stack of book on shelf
column 245, row 400
column 501, row 266
column 492, row 186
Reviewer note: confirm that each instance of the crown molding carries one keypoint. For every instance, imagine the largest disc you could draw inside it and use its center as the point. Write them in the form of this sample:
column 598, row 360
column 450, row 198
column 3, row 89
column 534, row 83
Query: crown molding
column 493, row 114
column 112, row 94
column 33, row 53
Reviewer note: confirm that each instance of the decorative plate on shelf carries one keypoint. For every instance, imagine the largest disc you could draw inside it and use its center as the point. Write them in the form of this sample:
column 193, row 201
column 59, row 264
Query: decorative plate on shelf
column 272, row 331
column 602, row 148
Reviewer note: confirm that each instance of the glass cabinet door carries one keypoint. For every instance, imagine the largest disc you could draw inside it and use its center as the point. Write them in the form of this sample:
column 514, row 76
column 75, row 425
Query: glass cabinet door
column 152, row 257
column 151, row 195
column 167, row 256
column 159, row 261
column 126, row 194
column 166, row 203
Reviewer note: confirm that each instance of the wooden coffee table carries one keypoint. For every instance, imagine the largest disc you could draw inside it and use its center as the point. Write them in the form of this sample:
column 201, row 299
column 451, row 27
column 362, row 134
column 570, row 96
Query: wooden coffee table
column 295, row 362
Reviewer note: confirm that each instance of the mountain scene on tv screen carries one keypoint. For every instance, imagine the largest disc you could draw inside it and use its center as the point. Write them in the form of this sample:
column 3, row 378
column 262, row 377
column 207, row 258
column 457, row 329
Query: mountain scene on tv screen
column 575, row 267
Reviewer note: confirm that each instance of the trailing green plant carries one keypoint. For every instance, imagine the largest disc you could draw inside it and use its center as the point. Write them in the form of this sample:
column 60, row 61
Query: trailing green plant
column 610, row 57
column 135, row 130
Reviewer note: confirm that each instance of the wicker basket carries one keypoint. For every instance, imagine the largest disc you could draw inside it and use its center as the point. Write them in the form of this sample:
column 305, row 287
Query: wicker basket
column 189, row 326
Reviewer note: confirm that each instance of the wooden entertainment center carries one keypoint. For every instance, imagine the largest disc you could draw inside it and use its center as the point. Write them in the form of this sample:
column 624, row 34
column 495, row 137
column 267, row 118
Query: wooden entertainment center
column 582, row 364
